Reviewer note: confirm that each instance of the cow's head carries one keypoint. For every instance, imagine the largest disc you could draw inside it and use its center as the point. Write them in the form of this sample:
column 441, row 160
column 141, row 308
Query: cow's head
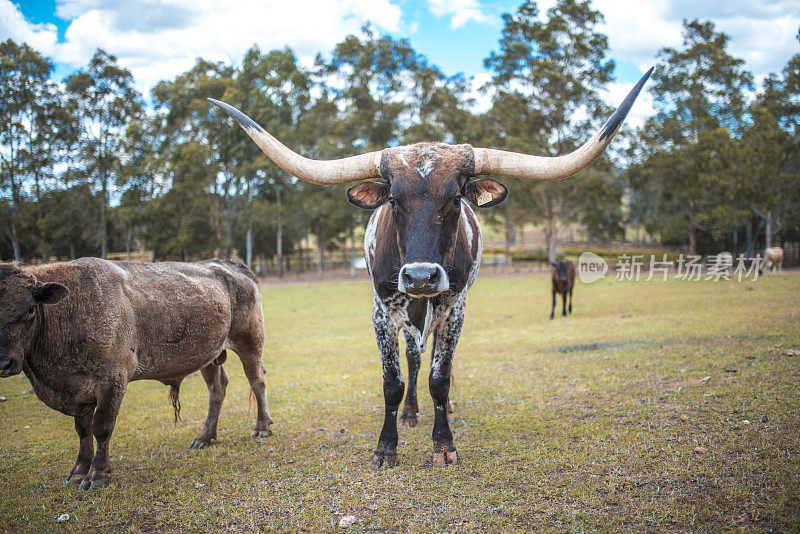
column 424, row 187
column 560, row 269
column 21, row 301
column 423, row 183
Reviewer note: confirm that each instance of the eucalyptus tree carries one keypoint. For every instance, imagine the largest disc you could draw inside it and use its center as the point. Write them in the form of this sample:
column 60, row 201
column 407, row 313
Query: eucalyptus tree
column 30, row 113
column 104, row 100
column 702, row 93
column 195, row 161
column 548, row 74
column 771, row 150
column 275, row 90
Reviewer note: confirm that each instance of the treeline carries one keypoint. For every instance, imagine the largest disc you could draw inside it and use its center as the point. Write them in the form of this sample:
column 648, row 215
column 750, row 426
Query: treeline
column 88, row 167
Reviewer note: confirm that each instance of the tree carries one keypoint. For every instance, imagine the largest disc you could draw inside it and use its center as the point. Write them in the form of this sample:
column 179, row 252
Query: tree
column 275, row 91
column 28, row 110
column 189, row 127
column 701, row 89
column 105, row 101
column 547, row 78
column 771, row 146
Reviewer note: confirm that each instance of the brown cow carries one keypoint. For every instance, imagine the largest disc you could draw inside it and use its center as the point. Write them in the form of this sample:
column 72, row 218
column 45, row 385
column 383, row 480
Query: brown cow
column 82, row 330
column 563, row 278
column 773, row 259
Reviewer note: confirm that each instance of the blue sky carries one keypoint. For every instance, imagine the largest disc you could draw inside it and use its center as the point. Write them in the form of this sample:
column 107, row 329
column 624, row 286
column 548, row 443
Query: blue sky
column 459, row 49
column 159, row 39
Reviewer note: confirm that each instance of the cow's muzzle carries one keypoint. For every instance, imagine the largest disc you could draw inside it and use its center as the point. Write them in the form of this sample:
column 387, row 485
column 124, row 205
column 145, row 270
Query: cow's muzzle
column 422, row 279
column 9, row 367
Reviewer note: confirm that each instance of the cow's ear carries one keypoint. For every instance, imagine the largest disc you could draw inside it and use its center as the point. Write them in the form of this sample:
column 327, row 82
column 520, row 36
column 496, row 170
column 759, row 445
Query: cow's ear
column 485, row 192
column 49, row 293
column 368, row 195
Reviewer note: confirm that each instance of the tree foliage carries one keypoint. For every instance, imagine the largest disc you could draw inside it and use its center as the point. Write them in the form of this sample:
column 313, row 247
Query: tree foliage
column 86, row 168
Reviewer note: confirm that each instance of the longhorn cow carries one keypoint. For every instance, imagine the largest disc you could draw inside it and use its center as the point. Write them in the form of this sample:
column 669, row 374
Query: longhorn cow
column 423, row 247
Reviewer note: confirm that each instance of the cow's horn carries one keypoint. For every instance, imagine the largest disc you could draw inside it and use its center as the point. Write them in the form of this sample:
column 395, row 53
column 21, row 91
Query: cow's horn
column 337, row 171
column 516, row 165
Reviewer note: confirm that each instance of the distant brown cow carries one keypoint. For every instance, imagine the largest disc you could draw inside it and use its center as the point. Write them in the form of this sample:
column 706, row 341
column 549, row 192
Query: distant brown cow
column 773, row 259
column 82, row 330
column 563, row 277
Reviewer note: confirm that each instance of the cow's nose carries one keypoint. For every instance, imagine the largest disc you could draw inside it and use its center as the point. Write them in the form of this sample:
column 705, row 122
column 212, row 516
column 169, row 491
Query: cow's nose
column 423, row 279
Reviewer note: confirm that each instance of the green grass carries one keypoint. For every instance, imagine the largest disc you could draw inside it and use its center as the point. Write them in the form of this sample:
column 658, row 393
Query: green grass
column 584, row 423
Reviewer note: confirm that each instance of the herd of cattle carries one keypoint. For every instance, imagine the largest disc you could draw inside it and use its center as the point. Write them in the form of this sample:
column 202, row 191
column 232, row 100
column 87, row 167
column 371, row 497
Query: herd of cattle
column 81, row 331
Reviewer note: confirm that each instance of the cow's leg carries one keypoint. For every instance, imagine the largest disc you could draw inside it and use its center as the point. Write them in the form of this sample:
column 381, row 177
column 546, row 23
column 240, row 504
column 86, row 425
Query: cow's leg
column 570, row 300
column 83, row 426
column 385, row 454
column 447, row 334
column 564, row 304
column 553, row 307
column 217, row 382
column 254, row 370
column 109, row 399
column 450, row 417
column 411, row 408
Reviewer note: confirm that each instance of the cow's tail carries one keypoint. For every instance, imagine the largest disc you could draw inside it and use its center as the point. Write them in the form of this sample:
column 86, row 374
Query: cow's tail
column 174, row 397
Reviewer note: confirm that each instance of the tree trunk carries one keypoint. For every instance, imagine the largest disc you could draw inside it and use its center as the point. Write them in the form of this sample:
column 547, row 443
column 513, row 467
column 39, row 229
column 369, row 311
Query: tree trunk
column 748, row 235
column 128, row 245
column 352, row 249
column 103, row 226
column 249, row 248
column 71, row 250
column 509, row 234
column 769, row 230
column 692, row 239
column 551, row 236
column 279, row 237
column 15, row 245
column 551, row 247
column 321, row 247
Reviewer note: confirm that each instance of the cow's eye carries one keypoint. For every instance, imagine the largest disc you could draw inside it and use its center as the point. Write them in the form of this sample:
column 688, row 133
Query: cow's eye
column 31, row 310
column 457, row 201
column 391, row 201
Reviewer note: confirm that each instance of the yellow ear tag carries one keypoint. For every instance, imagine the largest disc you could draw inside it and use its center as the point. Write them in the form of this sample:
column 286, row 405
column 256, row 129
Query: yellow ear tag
column 484, row 198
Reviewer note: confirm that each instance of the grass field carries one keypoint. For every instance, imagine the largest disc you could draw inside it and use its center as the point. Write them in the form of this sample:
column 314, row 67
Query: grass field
column 584, row 423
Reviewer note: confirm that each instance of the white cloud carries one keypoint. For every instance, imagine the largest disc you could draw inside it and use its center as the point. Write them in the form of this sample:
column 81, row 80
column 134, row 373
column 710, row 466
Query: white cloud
column 460, row 11
column 642, row 109
column 159, row 40
column 761, row 33
column 13, row 25
column 482, row 98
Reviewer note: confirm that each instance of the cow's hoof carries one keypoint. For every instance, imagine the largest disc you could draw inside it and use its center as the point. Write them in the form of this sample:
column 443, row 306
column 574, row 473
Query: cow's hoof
column 261, row 433
column 200, row 443
column 75, row 479
column 77, row 474
column 444, row 455
column 383, row 459
column 408, row 420
column 94, row 483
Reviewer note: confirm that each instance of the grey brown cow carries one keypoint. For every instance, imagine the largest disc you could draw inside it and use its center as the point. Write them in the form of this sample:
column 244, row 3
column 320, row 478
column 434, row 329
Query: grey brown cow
column 423, row 247
column 80, row 331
